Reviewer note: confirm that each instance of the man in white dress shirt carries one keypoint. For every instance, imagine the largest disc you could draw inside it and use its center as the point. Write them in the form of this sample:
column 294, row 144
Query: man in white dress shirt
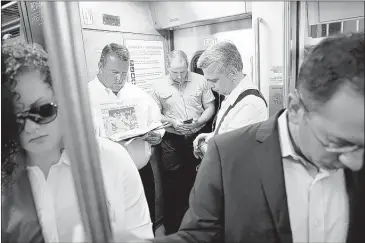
column 244, row 104
column 110, row 86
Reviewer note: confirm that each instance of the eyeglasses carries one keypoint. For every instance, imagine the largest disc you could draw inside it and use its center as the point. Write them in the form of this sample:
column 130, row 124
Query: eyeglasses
column 41, row 115
column 331, row 147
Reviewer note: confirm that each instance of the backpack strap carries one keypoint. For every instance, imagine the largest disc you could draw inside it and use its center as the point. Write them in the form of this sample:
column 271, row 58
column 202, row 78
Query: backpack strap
column 245, row 93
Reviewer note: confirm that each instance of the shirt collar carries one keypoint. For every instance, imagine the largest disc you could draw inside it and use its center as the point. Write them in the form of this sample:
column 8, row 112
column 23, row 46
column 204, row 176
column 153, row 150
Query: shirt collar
column 287, row 148
column 64, row 159
column 101, row 86
column 244, row 84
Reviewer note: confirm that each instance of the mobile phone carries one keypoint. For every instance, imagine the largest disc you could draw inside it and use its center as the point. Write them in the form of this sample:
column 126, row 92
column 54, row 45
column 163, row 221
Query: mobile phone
column 188, row 121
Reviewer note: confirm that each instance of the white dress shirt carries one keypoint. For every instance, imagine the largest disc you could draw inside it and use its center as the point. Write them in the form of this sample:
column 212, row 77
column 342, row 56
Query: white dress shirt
column 139, row 150
column 56, row 199
column 249, row 110
column 317, row 200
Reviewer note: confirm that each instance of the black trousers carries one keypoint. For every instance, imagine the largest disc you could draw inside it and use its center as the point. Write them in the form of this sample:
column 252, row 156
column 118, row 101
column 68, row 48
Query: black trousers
column 148, row 182
column 178, row 177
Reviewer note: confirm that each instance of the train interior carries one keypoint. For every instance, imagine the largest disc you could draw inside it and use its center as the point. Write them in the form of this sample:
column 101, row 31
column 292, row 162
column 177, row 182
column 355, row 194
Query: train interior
column 272, row 38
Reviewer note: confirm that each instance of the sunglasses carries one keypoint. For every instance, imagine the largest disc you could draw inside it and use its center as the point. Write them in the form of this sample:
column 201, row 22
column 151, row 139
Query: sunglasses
column 41, row 115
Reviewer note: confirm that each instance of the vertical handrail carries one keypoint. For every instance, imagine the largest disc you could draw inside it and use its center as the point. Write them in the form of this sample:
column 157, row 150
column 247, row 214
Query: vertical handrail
column 63, row 36
column 257, row 52
column 287, row 49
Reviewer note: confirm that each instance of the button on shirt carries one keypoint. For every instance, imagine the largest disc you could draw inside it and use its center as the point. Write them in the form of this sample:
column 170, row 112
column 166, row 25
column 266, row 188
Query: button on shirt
column 317, row 200
column 249, row 110
column 56, row 199
column 182, row 101
column 139, row 150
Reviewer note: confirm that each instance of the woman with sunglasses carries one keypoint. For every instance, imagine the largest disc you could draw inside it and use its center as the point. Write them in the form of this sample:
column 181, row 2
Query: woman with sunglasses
column 19, row 222
column 47, row 162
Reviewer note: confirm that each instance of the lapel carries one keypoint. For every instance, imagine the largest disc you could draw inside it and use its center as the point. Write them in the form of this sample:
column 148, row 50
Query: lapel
column 269, row 159
column 355, row 183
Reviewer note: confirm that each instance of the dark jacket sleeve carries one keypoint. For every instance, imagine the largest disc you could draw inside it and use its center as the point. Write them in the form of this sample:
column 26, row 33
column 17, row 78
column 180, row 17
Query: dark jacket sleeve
column 19, row 221
column 203, row 222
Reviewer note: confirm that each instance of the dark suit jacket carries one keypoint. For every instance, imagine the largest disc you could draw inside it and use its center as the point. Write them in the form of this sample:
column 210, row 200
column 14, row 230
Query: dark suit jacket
column 239, row 193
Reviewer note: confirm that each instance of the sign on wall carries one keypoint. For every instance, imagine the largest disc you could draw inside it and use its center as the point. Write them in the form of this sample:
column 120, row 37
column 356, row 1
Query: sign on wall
column 275, row 98
column 210, row 41
column 147, row 62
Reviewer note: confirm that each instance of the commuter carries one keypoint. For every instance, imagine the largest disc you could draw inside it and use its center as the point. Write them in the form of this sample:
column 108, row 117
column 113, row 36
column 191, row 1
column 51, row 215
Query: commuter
column 110, row 86
column 187, row 103
column 45, row 158
column 244, row 104
column 19, row 222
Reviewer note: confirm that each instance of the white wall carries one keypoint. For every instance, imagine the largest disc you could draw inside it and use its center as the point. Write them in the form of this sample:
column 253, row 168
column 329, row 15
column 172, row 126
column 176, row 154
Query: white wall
column 191, row 40
column 135, row 17
column 271, row 42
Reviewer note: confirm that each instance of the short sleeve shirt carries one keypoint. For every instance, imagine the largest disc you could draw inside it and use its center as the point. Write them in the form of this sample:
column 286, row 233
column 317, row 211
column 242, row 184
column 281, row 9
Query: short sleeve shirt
column 183, row 101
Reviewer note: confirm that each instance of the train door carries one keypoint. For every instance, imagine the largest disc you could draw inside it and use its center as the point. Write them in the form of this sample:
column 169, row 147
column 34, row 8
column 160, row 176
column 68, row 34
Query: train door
column 311, row 22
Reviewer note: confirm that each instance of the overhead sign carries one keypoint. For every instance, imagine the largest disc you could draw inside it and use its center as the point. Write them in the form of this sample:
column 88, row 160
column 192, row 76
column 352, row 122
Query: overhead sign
column 210, row 41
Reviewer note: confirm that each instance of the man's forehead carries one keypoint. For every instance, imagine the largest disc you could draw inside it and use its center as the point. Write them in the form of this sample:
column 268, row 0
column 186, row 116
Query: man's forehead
column 211, row 70
column 344, row 114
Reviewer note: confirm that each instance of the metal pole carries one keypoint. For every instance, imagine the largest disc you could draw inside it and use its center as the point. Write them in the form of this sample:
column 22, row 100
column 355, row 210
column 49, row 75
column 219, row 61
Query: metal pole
column 5, row 6
column 257, row 52
column 63, row 36
column 287, row 49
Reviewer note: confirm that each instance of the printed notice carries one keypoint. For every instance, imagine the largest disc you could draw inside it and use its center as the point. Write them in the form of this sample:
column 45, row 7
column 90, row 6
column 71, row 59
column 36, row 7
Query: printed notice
column 147, row 62
column 276, row 74
column 275, row 99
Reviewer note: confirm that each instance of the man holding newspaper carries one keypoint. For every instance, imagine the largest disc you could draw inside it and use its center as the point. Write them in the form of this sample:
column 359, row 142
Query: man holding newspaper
column 126, row 114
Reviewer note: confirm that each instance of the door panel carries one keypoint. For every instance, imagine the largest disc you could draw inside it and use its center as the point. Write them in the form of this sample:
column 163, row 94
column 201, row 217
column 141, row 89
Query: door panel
column 94, row 42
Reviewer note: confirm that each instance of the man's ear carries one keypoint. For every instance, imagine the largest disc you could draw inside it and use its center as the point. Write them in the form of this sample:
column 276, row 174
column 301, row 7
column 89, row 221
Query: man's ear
column 100, row 67
column 295, row 108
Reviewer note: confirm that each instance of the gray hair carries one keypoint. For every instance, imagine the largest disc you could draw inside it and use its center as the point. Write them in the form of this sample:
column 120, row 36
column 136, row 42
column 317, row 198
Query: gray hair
column 225, row 54
column 177, row 54
column 121, row 51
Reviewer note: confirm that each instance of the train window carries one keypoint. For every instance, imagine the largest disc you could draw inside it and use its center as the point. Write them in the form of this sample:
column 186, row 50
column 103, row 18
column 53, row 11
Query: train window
column 334, row 28
column 350, row 26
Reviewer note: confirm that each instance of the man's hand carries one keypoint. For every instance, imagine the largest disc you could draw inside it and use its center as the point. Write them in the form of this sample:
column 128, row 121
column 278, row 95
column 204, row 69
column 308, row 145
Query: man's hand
column 189, row 128
column 200, row 144
column 351, row 157
column 153, row 138
column 353, row 160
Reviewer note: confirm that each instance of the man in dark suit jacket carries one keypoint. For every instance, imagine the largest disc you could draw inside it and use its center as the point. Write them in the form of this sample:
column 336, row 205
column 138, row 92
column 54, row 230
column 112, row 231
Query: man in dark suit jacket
column 295, row 177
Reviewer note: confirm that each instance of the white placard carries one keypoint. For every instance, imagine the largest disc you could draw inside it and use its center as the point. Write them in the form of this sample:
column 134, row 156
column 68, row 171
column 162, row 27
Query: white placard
column 147, row 62
column 87, row 16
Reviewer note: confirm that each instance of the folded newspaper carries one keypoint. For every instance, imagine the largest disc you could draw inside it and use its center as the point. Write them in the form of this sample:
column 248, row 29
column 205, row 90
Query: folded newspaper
column 124, row 122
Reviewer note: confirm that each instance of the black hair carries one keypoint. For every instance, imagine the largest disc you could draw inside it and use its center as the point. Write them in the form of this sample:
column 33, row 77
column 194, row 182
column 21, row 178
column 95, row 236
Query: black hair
column 333, row 63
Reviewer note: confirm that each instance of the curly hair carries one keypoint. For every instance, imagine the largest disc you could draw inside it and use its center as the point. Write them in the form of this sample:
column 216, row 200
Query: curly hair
column 9, row 141
column 334, row 62
column 19, row 56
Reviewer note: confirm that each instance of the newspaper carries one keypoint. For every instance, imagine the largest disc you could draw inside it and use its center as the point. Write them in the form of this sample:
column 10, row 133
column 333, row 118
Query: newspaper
column 122, row 122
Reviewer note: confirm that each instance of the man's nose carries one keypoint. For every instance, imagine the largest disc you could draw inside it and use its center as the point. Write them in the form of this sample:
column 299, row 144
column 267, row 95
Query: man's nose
column 30, row 126
column 118, row 77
